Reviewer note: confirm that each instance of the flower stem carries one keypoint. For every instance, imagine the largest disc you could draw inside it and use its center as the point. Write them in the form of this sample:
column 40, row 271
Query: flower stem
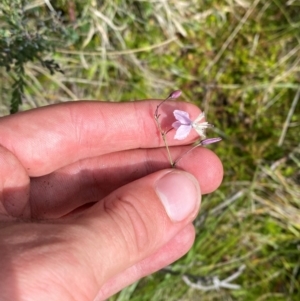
column 201, row 143
column 173, row 95
column 184, row 154
column 163, row 134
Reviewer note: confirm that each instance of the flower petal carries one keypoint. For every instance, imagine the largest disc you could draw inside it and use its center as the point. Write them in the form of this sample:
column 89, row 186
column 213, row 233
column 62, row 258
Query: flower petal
column 199, row 118
column 182, row 132
column 183, row 117
column 200, row 130
column 176, row 125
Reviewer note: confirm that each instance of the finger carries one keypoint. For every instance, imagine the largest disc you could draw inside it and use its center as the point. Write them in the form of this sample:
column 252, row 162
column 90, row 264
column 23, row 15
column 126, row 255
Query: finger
column 49, row 138
column 14, row 186
column 173, row 250
column 91, row 180
column 136, row 221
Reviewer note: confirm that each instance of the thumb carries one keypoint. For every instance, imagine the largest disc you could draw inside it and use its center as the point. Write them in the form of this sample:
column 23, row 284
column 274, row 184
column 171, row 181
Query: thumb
column 138, row 219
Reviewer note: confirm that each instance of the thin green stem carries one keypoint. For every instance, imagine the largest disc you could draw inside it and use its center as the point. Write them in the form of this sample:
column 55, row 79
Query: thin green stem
column 184, row 154
column 173, row 95
column 163, row 134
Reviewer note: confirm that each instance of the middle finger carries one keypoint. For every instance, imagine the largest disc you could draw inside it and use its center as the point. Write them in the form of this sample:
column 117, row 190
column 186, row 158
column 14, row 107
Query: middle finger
column 89, row 180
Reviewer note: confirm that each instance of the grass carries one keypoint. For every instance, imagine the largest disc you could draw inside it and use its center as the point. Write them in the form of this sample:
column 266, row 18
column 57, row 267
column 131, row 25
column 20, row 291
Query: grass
column 239, row 61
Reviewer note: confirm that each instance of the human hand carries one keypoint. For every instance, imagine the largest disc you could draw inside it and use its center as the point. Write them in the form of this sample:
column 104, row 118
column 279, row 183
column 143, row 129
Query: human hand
column 84, row 187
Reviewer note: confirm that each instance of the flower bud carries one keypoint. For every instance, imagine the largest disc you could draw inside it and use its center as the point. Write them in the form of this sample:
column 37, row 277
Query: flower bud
column 210, row 141
column 175, row 94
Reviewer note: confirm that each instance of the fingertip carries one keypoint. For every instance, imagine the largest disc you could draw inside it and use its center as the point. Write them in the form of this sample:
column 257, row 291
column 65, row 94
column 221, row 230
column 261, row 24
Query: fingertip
column 180, row 194
column 14, row 185
column 206, row 166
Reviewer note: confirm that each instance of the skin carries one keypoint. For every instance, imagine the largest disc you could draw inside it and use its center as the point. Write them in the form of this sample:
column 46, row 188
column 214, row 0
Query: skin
column 79, row 216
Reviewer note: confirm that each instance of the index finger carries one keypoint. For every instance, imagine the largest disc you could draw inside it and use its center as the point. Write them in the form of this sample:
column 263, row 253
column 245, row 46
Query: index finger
column 51, row 137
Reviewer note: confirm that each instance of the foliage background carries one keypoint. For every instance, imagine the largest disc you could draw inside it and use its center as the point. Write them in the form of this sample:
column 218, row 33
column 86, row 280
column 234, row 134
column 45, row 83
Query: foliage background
column 236, row 59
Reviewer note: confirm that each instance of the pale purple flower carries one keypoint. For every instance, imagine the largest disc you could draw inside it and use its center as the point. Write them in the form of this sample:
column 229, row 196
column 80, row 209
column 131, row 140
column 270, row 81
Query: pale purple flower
column 184, row 125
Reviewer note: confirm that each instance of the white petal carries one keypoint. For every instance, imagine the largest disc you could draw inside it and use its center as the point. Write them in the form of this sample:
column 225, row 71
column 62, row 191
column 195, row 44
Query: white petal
column 200, row 130
column 200, row 117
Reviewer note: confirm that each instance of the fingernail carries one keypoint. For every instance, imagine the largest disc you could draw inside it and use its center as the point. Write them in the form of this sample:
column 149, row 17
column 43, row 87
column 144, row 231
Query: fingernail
column 179, row 193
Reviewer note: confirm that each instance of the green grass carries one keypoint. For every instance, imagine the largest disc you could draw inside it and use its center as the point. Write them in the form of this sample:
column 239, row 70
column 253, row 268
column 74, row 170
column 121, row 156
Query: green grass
column 237, row 60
